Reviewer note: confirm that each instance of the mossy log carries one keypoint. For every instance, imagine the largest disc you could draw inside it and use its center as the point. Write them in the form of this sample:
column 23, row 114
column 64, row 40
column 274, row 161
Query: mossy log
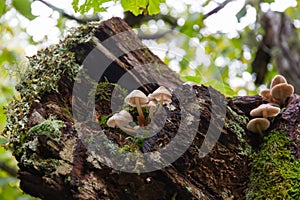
column 59, row 158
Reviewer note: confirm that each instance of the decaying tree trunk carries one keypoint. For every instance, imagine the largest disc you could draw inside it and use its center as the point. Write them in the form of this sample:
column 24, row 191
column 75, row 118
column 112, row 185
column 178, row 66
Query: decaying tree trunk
column 57, row 162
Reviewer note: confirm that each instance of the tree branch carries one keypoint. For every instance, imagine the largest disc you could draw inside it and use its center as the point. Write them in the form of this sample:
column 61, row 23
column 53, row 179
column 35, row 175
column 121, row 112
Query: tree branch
column 133, row 20
column 68, row 16
column 217, row 9
column 10, row 170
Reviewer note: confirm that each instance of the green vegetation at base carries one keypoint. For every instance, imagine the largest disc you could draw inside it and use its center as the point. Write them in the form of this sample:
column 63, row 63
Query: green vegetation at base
column 275, row 172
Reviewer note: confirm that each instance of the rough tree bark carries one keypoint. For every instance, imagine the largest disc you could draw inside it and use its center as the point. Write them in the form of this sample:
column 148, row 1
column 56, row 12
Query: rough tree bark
column 56, row 163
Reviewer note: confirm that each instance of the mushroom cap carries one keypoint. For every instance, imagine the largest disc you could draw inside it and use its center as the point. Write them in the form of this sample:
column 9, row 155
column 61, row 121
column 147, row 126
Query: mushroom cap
column 130, row 98
column 277, row 80
column 269, row 110
column 281, row 91
column 265, row 93
column 161, row 92
column 253, row 125
column 122, row 118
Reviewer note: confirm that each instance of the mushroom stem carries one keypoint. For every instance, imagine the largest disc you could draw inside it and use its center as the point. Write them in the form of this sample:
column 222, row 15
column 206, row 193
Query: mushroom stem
column 125, row 129
column 141, row 117
column 258, row 127
column 151, row 114
column 161, row 99
column 161, row 102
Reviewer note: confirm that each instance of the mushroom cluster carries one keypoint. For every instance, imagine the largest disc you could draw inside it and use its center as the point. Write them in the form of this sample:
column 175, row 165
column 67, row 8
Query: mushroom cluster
column 279, row 91
column 277, row 95
column 137, row 99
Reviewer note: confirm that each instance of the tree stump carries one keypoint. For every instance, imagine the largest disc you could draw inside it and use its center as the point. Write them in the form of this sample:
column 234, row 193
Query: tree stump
column 65, row 150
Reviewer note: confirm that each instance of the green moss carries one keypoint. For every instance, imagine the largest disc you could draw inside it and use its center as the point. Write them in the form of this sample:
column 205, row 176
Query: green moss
column 66, row 111
column 236, row 126
column 275, row 172
column 132, row 144
column 104, row 91
column 240, row 118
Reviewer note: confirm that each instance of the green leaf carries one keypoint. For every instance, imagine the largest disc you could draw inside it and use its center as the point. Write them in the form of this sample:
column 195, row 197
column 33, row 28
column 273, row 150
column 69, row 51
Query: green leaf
column 221, row 87
column 267, row 1
column 195, row 79
column 153, row 7
column 3, row 140
column 7, row 56
column 2, row 7
column 137, row 7
column 75, row 5
column 24, row 8
column 241, row 13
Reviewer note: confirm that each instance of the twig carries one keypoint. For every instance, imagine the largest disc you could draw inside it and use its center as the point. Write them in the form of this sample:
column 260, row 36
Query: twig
column 134, row 21
column 68, row 16
column 217, row 9
column 10, row 170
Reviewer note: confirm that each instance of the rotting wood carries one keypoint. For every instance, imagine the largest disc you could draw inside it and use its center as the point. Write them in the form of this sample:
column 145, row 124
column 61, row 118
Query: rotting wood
column 63, row 167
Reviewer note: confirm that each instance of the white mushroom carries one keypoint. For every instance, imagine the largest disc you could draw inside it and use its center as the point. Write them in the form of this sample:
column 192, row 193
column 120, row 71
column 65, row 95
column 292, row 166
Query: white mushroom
column 281, row 92
column 265, row 93
column 258, row 125
column 161, row 95
column 277, row 80
column 265, row 110
column 121, row 120
column 136, row 99
column 151, row 106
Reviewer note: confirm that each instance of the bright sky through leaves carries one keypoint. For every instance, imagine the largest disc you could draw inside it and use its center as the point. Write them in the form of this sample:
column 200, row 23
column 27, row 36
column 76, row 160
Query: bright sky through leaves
column 224, row 21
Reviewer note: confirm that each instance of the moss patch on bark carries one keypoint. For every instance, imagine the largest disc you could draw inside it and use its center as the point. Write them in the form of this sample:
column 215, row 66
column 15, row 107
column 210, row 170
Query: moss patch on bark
column 275, row 172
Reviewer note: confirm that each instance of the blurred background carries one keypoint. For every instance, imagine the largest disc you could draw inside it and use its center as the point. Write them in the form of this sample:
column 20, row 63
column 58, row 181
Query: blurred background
column 208, row 42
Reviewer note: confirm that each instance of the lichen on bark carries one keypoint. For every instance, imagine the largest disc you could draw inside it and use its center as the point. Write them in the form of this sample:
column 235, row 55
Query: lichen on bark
column 46, row 69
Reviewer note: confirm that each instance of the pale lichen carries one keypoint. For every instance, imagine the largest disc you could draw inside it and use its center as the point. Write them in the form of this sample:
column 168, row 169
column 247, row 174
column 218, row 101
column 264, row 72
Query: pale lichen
column 47, row 67
column 65, row 166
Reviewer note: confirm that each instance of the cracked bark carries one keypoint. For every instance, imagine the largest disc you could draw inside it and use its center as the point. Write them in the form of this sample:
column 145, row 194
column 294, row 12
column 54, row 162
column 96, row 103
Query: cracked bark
column 78, row 173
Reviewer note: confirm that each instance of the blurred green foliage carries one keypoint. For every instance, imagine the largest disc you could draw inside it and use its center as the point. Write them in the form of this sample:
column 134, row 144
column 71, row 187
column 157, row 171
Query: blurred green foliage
column 24, row 8
column 9, row 186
